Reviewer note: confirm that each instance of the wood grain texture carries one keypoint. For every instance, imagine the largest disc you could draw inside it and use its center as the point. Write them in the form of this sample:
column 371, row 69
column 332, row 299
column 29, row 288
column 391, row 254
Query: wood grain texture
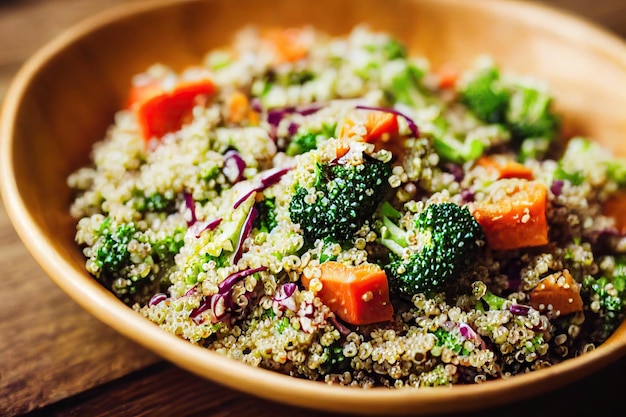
column 50, row 348
column 165, row 390
column 57, row 360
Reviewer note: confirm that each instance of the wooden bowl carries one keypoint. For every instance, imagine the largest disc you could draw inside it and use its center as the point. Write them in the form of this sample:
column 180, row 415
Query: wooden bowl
column 65, row 96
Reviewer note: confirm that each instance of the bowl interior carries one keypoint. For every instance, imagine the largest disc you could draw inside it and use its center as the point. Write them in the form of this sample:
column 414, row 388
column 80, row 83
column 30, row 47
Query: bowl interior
column 66, row 95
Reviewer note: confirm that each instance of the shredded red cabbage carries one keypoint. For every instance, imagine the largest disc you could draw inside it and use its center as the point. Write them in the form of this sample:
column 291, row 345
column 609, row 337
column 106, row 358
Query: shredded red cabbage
column 191, row 291
column 467, row 195
column 412, row 126
column 245, row 231
column 470, row 334
column 228, row 283
column 157, row 299
column 219, row 305
column 284, row 296
column 274, row 116
column 196, row 312
column 272, row 176
column 234, row 166
column 293, row 128
column 266, row 179
column 557, row 187
column 285, row 291
column 200, row 227
column 519, row 309
column 245, row 196
column 343, row 329
column 191, row 206
column 255, row 104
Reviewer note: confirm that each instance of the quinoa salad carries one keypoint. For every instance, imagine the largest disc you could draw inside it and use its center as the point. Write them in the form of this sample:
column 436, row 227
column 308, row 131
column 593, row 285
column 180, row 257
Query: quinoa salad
column 335, row 209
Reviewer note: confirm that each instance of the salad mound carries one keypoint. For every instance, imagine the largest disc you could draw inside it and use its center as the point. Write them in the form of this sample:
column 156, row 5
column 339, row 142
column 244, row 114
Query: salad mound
column 334, row 209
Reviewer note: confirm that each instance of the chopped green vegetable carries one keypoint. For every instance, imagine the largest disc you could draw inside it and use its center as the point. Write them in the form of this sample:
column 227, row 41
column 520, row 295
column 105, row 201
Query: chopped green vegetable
column 341, row 199
column 444, row 241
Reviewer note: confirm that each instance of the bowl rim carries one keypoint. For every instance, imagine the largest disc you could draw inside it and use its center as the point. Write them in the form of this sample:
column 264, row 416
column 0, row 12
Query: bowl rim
column 235, row 374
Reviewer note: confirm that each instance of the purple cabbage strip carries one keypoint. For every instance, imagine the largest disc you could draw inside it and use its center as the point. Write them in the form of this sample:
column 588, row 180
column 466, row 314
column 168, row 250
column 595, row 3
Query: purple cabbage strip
column 219, row 302
column 255, row 104
column 272, row 176
column 191, row 291
column 267, row 179
column 157, row 299
column 196, row 312
column 274, row 116
column 285, row 291
column 200, row 227
column 557, row 187
column 219, row 305
column 284, row 296
column 245, row 231
column 293, row 128
column 467, row 195
column 412, row 126
column 342, row 328
column 234, row 166
column 190, row 204
column 519, row 309
column 245, row 196
column 456, row 170
column 225, row 286
column 470, row 334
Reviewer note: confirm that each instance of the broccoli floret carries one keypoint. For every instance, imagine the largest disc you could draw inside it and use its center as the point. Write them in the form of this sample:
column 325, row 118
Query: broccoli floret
column 404, row 85
column 308, row 140
column 156, row 202
column 341, row 199
column 336, row 361
column 451, row 341
column 266, row 218
column 607, row 297
column 133, row 272
column 484, row 95
column 453, row 150
column 393, row 49
column 529, row 114
column 443, row 242
column 302, row 143
column 113, row 254
column 574, row 165
column 523, row 108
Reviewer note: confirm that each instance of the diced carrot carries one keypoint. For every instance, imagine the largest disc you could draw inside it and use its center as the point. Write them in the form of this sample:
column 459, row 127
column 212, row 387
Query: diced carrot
column 515, row 214
column 167, row 111
column 448, row 76
column 343, row 146
column 357, row 294
column 346, row 129
column 381, row 129
column 503, row 167
column 615, row 207
column 289, row 44
column 558, row 294
column 379, row 125
column 143, row 91
column 238, row 107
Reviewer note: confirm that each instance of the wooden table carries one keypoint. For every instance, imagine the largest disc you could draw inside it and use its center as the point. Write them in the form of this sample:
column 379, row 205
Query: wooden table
column 57, row 360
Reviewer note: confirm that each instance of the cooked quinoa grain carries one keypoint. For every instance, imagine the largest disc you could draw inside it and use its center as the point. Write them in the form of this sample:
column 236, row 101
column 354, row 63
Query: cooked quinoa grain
column 330, row 208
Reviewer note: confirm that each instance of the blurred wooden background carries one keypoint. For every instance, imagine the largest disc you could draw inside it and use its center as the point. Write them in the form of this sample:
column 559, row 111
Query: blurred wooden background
column 57, row 360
